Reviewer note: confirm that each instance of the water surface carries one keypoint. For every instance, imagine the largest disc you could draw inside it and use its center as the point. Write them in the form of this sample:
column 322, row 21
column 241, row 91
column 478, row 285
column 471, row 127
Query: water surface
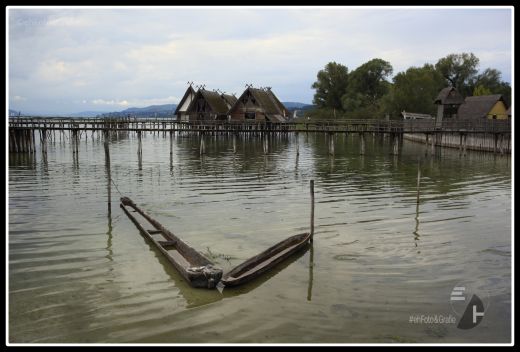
column 80, row 272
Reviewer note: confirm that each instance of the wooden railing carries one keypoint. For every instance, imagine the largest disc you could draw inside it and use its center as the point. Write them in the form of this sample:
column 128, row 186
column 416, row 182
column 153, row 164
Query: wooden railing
column 330, row 126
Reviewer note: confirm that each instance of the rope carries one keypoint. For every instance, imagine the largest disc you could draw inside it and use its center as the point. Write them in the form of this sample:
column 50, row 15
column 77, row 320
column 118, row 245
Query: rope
column 116, row 186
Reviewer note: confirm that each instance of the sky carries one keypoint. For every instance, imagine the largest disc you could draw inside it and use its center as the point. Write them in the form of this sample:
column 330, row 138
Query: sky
column 65, row 60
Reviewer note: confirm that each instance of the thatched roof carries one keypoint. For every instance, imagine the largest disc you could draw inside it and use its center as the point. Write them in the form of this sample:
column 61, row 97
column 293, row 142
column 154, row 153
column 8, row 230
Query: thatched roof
column 215, row 101
column 449, row 96
column 229, row 99
column 268, row 102
column 189, row 91
column 479, row 106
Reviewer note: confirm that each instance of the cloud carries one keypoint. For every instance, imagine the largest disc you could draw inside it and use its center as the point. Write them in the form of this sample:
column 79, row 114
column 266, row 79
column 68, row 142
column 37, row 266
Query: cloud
column 19, row 98
column 137, row 102
column 68, row 21
column 59, row 58
column 110, row 102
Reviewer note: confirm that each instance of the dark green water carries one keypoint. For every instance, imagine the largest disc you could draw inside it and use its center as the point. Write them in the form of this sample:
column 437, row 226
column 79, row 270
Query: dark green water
column 81, row 274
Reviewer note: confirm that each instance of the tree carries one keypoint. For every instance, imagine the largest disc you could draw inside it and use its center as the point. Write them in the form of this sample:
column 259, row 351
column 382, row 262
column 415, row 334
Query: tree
column 459, row 70
column 330, row 86
column 367, row 84
column 481, row 90
column 490, row 78
column 414, row 90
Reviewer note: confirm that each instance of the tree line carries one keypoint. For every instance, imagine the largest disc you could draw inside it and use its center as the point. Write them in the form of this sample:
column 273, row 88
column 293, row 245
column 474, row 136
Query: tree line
column 366, row 92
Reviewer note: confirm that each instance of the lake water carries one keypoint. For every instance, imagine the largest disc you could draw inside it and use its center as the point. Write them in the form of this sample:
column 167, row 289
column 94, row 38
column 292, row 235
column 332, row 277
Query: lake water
column 81, row 274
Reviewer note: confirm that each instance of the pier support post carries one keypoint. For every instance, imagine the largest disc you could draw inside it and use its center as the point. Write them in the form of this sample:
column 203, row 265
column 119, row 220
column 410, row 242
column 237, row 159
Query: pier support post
column 107, row 166
column 33, row 141
column 362, row 143
column 43, row 140
column 266, row 145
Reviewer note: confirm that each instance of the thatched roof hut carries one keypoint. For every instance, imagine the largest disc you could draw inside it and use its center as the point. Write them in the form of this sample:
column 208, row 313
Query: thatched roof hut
column 483, row 106
column 259, row 104
column 210, row 105
column 449, row 96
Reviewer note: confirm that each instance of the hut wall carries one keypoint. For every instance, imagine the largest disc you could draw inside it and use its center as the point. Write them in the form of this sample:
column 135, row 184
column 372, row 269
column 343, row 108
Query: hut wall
column 500, row 110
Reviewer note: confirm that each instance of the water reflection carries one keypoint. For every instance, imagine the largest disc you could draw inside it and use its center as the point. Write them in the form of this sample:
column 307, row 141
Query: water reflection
column 311, row 272
column 196, row 297
column 69, row 249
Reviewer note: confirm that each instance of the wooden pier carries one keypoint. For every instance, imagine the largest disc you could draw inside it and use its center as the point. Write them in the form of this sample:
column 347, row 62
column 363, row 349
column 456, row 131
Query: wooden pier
column 22, row 130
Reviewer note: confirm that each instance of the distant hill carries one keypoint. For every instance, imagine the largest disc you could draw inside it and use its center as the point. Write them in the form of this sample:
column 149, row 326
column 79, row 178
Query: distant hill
column 87, row 113
column 14, row 112
column 164, row 110
column 290, row 105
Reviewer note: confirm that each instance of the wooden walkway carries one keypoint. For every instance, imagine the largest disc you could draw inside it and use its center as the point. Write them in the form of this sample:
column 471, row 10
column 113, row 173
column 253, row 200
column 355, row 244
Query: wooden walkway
column 325, row 126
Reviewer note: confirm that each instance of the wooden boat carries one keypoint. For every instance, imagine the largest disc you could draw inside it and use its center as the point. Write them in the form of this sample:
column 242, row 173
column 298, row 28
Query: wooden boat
column 266, row 260
column 198, row 270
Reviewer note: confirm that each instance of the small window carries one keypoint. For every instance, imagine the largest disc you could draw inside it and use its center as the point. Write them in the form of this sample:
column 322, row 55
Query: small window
column 250, row 115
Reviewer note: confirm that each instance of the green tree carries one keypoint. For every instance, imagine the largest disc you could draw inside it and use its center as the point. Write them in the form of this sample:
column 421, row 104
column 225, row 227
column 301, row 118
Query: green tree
column 367, row 85
column 414, row 90
column 505, row 90
column 490, row 79
column 490, row 82
column 330, row 86
column 481, row 90
column 459, row 70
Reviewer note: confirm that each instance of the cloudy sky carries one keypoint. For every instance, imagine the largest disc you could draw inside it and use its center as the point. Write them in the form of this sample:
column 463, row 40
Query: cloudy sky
column 63, row 60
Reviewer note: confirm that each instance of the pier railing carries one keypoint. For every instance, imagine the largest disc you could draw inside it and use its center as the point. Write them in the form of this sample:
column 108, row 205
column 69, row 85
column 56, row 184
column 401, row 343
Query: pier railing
column 330, row 126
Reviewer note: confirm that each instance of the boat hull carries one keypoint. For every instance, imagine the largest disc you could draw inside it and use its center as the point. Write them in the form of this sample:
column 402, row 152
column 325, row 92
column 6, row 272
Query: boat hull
column 259, row 264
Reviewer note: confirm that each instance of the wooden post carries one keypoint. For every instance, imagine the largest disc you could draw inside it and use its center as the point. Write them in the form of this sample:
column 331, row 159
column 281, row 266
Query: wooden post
column 107, row 165
column 44, row 140
column 266, row 145
column 33, row 141
column 15, row 139
column 362, row 141
column 312, row 210
column 331, row 143
column 234, row 143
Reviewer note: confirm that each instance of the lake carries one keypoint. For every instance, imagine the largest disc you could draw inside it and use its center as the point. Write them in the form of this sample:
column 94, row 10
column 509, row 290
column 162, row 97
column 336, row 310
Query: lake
column 80, row 271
